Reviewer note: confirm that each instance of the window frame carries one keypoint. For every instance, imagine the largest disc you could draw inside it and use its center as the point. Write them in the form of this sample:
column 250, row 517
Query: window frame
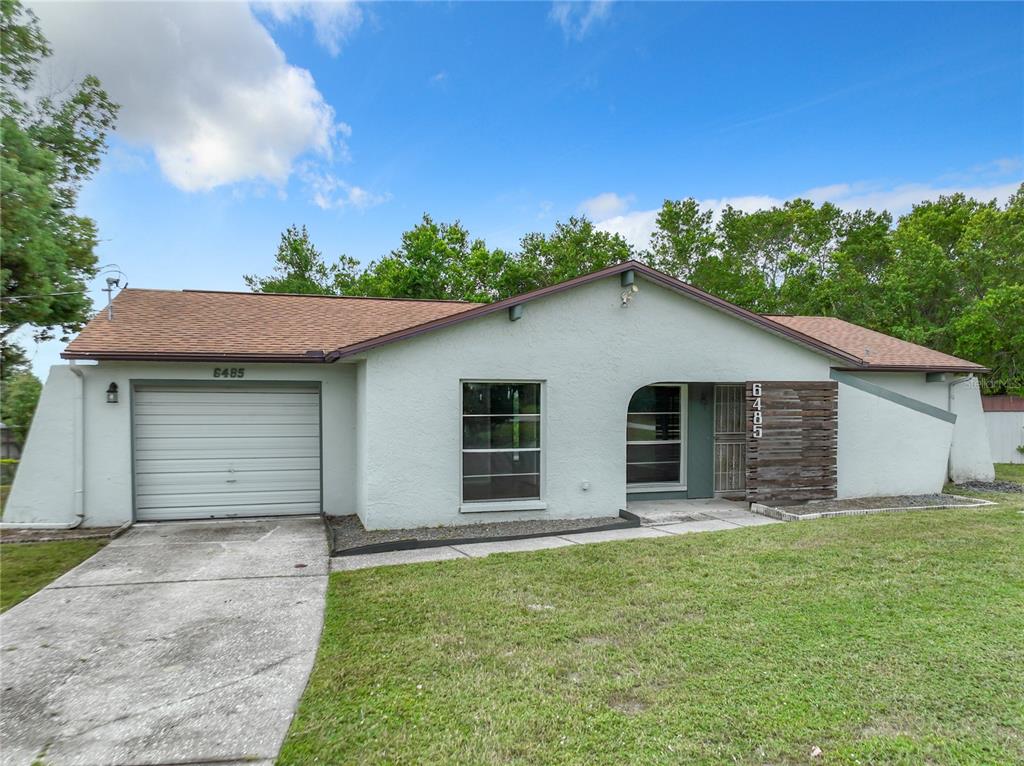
column 512, row 503
column 662, row 486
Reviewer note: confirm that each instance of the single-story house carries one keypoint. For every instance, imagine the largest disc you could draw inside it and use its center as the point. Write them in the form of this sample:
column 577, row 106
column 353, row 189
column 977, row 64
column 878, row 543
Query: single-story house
column 1004, row 419
column 559, row 403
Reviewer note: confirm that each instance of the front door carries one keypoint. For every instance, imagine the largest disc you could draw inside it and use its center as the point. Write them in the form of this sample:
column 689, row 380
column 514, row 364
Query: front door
column 730, row 440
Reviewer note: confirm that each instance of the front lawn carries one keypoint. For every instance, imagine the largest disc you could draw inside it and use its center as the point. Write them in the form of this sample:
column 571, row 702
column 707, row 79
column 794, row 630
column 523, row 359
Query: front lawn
column 1010, row 472
column 893, row 638
column 28, row 567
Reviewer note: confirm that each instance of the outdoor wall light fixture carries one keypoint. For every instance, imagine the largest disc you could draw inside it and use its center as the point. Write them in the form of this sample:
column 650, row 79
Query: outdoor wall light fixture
column 112, row 393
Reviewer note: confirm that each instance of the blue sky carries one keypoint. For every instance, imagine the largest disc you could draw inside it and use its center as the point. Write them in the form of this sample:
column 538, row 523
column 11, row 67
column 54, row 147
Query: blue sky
column 355, row 119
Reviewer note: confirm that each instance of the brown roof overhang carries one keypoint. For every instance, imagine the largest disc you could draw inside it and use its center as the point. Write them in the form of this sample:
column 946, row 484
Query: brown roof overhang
column 161, row 356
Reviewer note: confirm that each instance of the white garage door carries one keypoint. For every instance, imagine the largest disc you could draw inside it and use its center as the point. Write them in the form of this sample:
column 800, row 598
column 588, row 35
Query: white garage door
column 221, row 451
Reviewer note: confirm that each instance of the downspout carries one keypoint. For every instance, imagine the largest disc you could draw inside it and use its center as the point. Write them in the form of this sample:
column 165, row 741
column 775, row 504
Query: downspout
column 78, row 491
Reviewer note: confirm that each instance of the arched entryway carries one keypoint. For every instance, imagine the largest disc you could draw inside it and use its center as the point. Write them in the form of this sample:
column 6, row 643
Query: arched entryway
column 685, row 440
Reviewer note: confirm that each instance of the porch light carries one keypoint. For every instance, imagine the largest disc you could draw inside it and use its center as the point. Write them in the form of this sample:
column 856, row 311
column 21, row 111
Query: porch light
column 112, row 393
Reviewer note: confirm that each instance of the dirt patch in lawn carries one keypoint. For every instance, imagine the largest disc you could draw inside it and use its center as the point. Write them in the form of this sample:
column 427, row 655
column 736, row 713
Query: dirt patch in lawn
column 886, row 502
column 50, row 535
column 990, row 486
column 349, row 537
column 824, row 509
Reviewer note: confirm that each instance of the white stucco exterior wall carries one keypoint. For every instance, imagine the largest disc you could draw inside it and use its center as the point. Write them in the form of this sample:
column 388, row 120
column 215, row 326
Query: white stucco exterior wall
column 886, row 448
column 42, row 486
column 970, row 456
column 591, row 355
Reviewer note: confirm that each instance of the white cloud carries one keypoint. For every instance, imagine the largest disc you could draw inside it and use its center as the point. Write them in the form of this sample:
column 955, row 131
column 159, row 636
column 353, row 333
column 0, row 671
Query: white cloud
column 577, row 18
column 328, row 192
column 605, row 205
column 202, row 84
column 333, row 22
column 637, row 226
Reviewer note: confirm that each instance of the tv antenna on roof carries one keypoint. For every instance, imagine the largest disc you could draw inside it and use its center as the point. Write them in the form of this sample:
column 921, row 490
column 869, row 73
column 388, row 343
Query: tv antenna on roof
column 112, row 281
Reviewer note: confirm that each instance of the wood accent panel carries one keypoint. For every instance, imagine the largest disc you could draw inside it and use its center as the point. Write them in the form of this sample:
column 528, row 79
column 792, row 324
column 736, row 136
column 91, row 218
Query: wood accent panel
column 795, row 456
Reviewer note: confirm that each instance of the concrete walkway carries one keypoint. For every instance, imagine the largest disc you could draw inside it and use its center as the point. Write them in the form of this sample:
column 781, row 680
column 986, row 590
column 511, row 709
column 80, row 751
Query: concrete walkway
column 177, row 643
column 659, row 519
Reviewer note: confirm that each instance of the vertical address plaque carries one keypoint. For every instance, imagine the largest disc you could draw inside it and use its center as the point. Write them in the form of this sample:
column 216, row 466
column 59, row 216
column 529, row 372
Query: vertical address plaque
column 791, row 440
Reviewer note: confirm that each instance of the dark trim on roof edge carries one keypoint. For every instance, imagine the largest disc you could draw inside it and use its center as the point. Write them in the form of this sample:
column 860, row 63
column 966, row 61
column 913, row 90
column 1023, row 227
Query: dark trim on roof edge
column 146, row 356
column 651, row 274
column 967, row 368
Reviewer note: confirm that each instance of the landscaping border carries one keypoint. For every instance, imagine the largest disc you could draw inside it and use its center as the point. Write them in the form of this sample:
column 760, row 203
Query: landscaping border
column 415, row 544
column 781, row 515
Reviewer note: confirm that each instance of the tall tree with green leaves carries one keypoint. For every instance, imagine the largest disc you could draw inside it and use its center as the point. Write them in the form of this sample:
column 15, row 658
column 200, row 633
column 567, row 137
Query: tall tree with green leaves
column 299, row 267
column 50, row 147
column 19, row 395
column 435, row 260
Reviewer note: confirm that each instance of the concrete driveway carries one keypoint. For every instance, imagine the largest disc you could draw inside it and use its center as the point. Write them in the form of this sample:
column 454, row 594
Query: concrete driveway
column 185, row 642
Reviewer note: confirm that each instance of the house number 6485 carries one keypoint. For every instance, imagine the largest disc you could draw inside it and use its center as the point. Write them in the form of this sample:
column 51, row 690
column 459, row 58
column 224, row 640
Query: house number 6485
column 229, row 372
column 757, row 427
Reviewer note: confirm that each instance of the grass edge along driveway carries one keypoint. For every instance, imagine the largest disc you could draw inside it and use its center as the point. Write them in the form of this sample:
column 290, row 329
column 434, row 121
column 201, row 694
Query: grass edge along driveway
column 892, row 638
column 26, row 568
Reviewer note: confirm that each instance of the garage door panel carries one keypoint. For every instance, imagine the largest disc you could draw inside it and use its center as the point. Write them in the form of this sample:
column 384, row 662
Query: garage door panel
column 228, row 499
column 229, row 450
column 219, row 417
column 193, row 396
column 169, row 463
column 223, row 481
column 173, row 513
column 294, row 446
column 202, row 431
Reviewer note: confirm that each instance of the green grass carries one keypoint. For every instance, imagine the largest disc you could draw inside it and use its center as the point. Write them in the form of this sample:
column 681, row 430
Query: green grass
column 28, row 567
column 886, row 639
column 1010, row 472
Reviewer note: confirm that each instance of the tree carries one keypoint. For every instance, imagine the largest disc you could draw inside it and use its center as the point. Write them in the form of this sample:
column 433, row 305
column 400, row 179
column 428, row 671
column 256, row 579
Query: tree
column 18, row 401
column 435, row 260
column 300, row 268
column 50, row 148
column 574, row 248
column 991, row 332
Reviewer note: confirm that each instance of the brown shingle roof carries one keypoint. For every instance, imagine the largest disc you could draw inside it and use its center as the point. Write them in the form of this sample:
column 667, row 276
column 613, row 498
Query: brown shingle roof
column 167, row 324
column 875, row 349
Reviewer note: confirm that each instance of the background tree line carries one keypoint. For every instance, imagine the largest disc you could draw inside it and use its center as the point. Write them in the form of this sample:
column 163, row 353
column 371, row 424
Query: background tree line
column 50, row 144
column 948, row 275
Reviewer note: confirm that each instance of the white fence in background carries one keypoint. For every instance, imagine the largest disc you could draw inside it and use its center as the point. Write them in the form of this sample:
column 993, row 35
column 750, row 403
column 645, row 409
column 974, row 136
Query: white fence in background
column 1005, row 434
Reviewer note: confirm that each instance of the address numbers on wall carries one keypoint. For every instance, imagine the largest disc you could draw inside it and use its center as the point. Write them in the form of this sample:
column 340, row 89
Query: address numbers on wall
column 229, row 372
column 757, row 422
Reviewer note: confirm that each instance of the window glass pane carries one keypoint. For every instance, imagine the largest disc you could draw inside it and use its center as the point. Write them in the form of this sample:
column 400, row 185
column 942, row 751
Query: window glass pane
column 655, row 399
column 524, row 486
column 652, row 453
column 491, row 463
column 501, row 432
column 650, row 473
column 650, row 463
column 500, row 398
column 649, row 428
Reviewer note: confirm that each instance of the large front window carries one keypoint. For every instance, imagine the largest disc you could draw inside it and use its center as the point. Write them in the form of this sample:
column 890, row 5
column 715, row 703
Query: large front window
column 500, row 441
column 654, row 427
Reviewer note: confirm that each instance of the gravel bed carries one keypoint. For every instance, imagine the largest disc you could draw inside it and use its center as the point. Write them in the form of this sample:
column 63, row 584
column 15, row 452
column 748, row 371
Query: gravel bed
column 990, row 486
column 875, row 503
column 49, row 535
column 347, row 532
